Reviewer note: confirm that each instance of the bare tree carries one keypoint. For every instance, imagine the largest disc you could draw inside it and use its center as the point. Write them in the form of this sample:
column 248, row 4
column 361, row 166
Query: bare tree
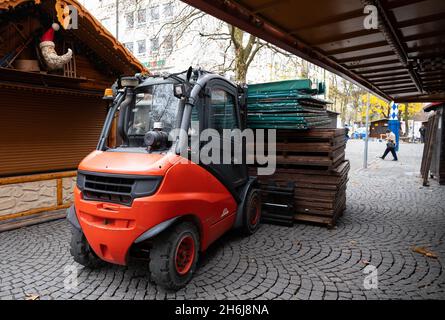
column 238, row 49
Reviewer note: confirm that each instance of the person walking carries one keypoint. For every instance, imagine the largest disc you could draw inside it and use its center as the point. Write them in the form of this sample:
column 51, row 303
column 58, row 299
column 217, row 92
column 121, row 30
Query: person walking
column 390, row 145
column 346, row 133
column 422, row 131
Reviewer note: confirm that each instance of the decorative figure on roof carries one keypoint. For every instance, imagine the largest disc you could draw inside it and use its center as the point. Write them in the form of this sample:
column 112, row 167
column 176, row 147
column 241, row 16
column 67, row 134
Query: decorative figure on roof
column 47, row 46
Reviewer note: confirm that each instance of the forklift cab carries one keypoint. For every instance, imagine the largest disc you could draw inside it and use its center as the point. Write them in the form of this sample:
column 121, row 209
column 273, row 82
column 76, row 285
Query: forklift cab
column 153, row 109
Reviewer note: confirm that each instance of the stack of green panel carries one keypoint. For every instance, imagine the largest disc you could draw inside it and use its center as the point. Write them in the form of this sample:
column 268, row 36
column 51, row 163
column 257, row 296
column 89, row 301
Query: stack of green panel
column 285, row 105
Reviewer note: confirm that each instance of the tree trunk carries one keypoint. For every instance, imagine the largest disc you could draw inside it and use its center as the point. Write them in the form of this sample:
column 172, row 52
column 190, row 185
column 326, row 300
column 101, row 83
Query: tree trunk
column 240, row 70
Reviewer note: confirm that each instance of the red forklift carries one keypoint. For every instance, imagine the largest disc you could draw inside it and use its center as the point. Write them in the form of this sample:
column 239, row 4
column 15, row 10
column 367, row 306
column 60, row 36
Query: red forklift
column 142, row 197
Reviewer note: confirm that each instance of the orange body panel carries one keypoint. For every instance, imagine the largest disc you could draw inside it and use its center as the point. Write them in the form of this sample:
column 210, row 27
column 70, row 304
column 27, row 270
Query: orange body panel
column 129, row 163
column 186, row 189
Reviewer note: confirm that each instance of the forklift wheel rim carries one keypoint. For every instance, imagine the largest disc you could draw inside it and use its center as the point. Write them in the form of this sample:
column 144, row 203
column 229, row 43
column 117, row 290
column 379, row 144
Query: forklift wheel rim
column 255, row 213
column 185, row 255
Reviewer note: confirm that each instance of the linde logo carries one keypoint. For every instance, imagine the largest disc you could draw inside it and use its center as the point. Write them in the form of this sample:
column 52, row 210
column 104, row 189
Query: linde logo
column 225, row 212
column 67, row 15
column 209, row 147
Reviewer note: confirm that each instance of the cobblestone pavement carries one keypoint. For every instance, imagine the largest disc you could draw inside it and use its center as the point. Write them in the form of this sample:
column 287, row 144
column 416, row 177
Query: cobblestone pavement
column 388, row 213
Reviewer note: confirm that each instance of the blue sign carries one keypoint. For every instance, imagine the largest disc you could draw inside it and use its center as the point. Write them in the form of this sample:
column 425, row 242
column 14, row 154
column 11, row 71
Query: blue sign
column 394, row 123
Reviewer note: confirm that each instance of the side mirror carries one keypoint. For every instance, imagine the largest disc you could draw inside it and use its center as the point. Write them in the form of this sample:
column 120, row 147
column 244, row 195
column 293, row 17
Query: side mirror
column 179, row 90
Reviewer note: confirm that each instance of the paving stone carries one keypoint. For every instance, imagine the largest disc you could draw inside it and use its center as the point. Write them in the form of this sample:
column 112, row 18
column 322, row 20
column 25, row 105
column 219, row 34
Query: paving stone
column 388, row 212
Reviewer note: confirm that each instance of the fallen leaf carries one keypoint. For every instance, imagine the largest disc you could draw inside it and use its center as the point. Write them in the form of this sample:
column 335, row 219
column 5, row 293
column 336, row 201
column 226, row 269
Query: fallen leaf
column 365, row 262
column 353, row 242
column 425, row 252
column 30, row 296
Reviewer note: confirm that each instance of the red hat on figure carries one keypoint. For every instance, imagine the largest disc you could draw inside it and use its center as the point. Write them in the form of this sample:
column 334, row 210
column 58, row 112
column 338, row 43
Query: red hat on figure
column 47, row 47
column 49, row 34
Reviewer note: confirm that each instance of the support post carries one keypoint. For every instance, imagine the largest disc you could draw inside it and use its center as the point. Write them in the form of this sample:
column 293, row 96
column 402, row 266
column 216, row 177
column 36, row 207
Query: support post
column 117, row 20
column 394, row 123
column 365, row 157
column 59, row 192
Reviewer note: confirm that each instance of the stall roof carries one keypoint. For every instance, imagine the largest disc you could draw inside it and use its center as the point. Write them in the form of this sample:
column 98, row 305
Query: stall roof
column 403, row 60
column 433, row 106
column 90, row 31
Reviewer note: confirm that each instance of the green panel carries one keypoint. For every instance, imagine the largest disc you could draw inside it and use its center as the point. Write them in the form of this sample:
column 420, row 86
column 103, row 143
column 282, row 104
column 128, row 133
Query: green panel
column 287, row 85
column 285, row 105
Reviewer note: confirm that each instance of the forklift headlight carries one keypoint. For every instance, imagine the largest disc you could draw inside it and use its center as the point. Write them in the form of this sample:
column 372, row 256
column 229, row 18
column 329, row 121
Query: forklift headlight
column 131, row 82
column 146, row 187
column 80, row 180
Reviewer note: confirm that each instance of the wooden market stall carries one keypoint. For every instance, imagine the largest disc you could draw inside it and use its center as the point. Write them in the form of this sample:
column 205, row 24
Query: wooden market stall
column 378, row 128
column 51, row 101
column 433, row 160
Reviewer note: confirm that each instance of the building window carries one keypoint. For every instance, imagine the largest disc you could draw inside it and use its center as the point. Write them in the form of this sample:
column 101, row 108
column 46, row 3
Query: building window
column 142, row 16
column 168, row 42
column 129, row 19
column 129, row 46
column 107, row 23
column 154, row 44
column 168, row 10
column 154, row 13
column 142, row 48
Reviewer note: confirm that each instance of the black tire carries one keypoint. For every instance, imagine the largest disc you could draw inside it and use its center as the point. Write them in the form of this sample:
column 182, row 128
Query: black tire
column 164, row 256
column 82, row 252
column 252, row 212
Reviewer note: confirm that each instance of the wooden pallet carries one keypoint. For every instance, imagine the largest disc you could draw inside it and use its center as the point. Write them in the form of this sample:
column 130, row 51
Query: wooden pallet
column 314, row 161
column 313, row 134
column 320, row 196
column 321, row 148
column 329, row 221
column 308, row 177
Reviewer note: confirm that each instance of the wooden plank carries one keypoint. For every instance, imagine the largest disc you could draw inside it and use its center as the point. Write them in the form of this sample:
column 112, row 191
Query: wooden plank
column 301, row 147
column 339, row 171
column 339, row 141
column 29, row 221
column 33, row 212
column 318, row 214
column 59, row 192
column 304, row 160
column 314, row 219
column 316, row 147
column 316, row 193
column 317, row 133
column 37, row 177
column 320, row 181
column 428, row 155
column 340, row 152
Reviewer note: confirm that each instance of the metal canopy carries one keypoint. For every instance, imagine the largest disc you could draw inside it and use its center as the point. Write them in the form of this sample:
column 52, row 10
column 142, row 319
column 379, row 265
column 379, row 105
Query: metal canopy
column 403, row 60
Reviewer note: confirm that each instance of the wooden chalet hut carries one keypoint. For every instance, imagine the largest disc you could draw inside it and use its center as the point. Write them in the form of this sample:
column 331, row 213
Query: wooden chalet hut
column 51, row 117
column 378, row 128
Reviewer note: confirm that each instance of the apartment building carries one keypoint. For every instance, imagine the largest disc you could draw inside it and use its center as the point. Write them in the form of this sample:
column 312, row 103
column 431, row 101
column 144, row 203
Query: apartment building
column 152, row 30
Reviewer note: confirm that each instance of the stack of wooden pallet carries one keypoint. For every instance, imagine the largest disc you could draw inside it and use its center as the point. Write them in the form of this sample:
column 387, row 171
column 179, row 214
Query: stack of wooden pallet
column 314, row 162
column 290, row 104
